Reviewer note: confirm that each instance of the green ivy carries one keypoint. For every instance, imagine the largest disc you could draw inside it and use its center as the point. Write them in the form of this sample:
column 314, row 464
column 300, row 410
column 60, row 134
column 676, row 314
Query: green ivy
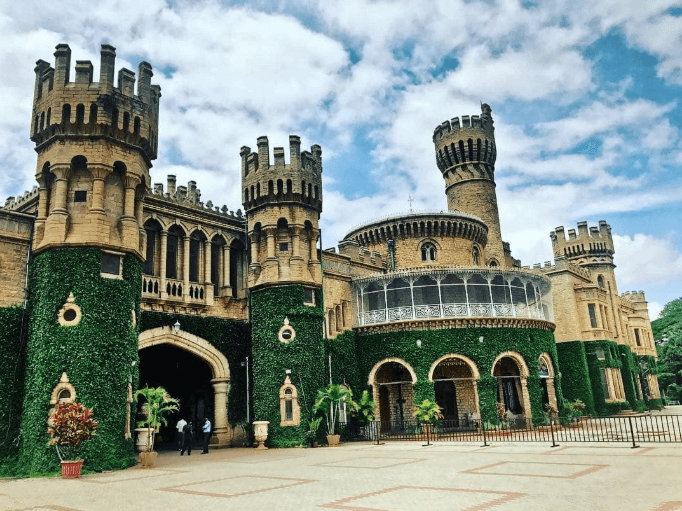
column 371, row 349
column 612, row 359
column 12, row 349
column 271, row 358
column 232, row 338
column 97, row 354
column 575, row 373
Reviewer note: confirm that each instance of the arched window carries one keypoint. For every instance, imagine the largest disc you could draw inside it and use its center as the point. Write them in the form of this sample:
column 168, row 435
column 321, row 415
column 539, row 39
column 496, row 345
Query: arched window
column 42, row 121
column 114, row 119
column 600, row 281
column 428, row 252
column 289, row 186
column 492, row 263
column 66, row 113
column 126, row 121
column 136, row 125
column 289, row 408
column 93, row 114
column 49, row 115
column 80, row 113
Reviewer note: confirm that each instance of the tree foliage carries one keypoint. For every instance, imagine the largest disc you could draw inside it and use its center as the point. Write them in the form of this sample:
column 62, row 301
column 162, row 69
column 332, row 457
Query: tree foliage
column 668, row 334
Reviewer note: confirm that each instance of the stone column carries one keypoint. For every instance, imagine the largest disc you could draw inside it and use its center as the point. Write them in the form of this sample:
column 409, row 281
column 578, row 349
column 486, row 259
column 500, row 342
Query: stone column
column 220, row 425
column 129, row 225
column 254, row 248
column 43, row 199
column 270, row 233
column 525, row 397
column 551, row 393
column 476, row 403
column 208, row 285
column 295, row 242
column 227, row 289
column 99, row 174
column 162, row 260
column 185, row 265
column 56, row 222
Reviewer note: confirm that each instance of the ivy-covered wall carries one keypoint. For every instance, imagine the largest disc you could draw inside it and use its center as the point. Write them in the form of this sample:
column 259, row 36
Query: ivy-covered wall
column 232, row 338
column 530, row 343
column 96, row 354
column 12, row 349
column 271, row 358
column 575, row 374
column 630, row 372
column 612, row 358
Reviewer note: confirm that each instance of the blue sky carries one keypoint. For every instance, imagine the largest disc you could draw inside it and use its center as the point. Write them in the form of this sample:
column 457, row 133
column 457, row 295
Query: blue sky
column 585, row 97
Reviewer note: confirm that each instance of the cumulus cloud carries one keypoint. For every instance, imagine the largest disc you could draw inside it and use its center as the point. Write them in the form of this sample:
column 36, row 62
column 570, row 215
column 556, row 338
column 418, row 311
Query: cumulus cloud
column 644, row 259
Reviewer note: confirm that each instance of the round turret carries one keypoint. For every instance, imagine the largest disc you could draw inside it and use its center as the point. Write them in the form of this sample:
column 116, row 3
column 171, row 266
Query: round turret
column 465, row 154
column 95, row 144
column 283, row 203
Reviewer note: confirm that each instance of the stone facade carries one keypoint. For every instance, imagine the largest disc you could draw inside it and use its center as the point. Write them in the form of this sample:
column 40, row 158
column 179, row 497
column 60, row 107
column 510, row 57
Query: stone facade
column 412, row 272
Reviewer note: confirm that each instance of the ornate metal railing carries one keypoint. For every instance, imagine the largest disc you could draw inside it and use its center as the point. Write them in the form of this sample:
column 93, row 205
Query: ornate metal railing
column 627, row 429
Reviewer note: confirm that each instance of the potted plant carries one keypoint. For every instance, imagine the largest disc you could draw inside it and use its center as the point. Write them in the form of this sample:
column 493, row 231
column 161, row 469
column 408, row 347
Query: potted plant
column 311, row 434
column 329, row 401
column 427, row 414
column 363, row 412
column 157, row 404
column 70, row 424
column 574, row 410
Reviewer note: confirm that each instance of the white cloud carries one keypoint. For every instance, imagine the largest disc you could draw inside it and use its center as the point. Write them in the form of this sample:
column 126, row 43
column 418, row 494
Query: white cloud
column 644, row 260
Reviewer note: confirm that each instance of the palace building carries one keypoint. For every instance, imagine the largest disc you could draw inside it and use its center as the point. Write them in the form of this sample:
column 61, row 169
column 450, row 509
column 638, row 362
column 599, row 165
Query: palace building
column 112, row 282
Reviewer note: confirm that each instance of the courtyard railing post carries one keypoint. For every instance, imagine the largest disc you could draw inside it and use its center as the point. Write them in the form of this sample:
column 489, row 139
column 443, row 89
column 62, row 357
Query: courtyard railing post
column 485, row 441
column 632, row 432
column 551, row 430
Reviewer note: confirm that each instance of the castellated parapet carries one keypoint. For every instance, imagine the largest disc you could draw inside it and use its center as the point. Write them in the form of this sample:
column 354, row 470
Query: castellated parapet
column 466, row 154
column 593, row 245
column 298, row 181
column 95, row 143
column 283, row 203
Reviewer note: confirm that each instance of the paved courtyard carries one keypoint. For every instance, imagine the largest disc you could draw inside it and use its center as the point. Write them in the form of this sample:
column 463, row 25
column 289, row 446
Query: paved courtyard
column 395, row 476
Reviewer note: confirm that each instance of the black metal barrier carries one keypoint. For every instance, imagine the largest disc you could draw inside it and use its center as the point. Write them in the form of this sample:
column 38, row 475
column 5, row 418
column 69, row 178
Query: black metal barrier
column 627, row 429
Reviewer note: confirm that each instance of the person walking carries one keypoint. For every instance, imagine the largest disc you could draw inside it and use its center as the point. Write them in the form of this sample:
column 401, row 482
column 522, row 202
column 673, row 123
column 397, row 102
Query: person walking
column 180, row 437
column 207, row 434
column 187, row 436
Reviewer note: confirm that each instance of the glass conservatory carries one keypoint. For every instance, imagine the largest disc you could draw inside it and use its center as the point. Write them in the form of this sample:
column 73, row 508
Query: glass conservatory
column 451, row 293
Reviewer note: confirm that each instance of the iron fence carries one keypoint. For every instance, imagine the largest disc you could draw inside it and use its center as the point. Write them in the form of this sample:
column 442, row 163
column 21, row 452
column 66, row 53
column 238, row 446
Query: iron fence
column 628, row 429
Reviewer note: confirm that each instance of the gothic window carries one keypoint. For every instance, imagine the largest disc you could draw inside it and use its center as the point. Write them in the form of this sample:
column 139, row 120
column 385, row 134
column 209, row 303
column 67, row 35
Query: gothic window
column 289, row 408
column 637, row 339
column 593, row 315
column 428, row 252
column 80, row 113
column 600, row 281
column 93, row 114
column 172, row 253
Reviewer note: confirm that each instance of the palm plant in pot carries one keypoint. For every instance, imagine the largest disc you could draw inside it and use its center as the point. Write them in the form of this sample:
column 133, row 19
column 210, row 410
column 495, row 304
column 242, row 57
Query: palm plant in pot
column 427, row 413
column 70, row 424
column 311, row 434
column 157, row 405
column 363, row 413
column 329, row 401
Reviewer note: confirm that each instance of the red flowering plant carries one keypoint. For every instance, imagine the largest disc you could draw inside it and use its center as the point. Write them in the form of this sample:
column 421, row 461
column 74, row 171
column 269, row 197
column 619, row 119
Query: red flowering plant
column 70, row 424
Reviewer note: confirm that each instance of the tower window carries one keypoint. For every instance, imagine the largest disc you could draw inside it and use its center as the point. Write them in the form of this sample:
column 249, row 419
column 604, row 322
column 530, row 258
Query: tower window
column 475, row 256
column 600, row 281
column 283, row 247
column 593, row 315
column 111, row 263
column 428, row 252
column 80, row 196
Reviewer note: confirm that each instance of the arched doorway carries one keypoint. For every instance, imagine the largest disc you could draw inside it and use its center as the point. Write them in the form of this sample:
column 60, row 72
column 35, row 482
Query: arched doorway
column 511, row 373
column 185, row 377
column 546, row 373
column 454, row 383
column 391, row 381
column 191, row 369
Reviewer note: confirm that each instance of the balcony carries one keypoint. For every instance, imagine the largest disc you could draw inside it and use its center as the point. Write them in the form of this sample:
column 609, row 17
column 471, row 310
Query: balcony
column 457, row 292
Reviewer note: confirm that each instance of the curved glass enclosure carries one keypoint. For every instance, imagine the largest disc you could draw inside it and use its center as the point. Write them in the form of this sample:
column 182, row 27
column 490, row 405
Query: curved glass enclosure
column 452, row 293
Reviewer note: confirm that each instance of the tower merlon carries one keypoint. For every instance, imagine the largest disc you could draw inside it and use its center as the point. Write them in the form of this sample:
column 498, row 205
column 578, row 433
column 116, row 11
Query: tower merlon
column 107, row 67
column 84, row 72
column 126, row 82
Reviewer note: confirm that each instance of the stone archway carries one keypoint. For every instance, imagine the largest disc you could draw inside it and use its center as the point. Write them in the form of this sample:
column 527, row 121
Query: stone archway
column 511, row 372
column 220, row 370
column 455, row 380
column 546, row 373
column 392, row 380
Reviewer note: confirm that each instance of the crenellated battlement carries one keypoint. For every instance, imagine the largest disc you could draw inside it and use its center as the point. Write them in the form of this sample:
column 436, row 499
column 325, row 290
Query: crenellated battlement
column 559, row 265
column 190, row 196
column 85, row 108
column 265, row 181
column 592, row 241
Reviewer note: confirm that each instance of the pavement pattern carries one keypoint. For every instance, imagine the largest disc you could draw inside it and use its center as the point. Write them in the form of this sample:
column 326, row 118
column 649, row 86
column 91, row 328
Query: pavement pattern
column 401, row 476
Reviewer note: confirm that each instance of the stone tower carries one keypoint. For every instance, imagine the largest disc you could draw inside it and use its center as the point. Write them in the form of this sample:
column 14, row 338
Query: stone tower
column 465, row 154
column 283, row 203
column 590, row 248
column 95, row 143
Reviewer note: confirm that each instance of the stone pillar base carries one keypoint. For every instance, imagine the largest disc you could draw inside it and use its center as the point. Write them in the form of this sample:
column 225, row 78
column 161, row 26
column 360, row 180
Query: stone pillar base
column 130, row 233
column 221, row 437
column 56, row 226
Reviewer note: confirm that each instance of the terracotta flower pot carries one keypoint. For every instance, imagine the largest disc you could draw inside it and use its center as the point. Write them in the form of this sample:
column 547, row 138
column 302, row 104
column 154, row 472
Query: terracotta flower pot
column 333, row 440
column 71, row 469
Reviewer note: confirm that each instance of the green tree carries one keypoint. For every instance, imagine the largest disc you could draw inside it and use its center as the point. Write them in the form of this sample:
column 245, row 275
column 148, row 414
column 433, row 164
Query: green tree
column 668, row 335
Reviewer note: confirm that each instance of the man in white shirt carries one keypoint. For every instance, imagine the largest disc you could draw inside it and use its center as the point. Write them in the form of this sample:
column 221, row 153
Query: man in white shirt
column 180, row 436
column 206, row 428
